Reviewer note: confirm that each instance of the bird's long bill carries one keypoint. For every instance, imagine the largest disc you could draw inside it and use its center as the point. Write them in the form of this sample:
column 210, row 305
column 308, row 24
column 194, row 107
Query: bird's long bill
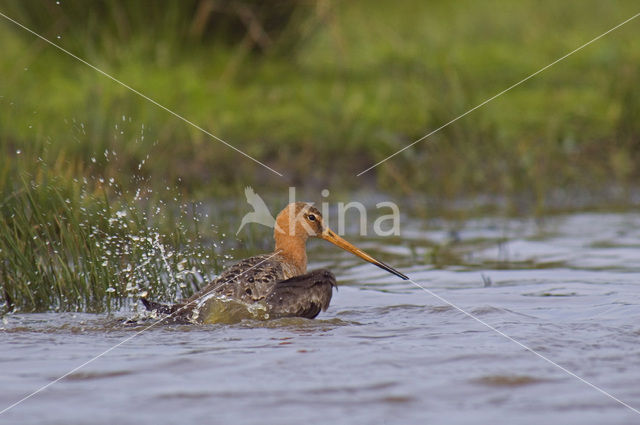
column 328, row 235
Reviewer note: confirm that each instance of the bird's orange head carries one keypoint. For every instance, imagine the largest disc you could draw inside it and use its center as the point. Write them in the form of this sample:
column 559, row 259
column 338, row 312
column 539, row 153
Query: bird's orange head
column 300, row 220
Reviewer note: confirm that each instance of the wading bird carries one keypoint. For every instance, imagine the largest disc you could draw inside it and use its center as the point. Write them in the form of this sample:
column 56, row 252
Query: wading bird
column 279, row 281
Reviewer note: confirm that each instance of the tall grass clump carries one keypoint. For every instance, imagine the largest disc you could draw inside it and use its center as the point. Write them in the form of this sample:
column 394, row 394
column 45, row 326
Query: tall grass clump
column 64, row 247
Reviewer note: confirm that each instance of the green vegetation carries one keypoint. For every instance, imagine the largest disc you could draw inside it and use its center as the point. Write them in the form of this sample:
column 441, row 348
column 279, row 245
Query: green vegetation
column 67, row 247
column 365, row 82
column 318, row 91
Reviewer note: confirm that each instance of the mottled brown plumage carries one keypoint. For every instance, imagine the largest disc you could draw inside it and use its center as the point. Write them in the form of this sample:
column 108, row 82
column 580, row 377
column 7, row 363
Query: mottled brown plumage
column 278, row 282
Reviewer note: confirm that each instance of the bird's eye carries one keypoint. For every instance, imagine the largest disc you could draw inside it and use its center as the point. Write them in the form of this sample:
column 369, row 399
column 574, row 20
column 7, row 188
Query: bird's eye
column 312, row 217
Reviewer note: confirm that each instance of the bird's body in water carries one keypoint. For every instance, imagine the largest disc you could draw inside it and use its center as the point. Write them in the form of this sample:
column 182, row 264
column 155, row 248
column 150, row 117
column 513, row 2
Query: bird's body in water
column 277, row 282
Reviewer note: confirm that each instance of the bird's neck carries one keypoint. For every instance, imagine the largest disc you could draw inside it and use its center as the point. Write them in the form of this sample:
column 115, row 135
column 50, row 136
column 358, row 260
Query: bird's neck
column 293, row 249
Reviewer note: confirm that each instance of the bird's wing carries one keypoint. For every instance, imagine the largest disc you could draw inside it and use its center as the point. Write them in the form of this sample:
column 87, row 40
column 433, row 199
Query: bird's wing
column 302, row 296
column 249, row 280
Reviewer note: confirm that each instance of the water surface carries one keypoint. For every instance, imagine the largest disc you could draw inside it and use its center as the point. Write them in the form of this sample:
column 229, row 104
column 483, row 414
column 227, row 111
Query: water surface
column 385, row 351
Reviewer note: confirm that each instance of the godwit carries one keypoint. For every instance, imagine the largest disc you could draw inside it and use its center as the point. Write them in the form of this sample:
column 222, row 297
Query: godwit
column 279, row 281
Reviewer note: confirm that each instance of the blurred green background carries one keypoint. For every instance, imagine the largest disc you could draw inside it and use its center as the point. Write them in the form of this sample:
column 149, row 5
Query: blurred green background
column 322, row 90
column 318, row 90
